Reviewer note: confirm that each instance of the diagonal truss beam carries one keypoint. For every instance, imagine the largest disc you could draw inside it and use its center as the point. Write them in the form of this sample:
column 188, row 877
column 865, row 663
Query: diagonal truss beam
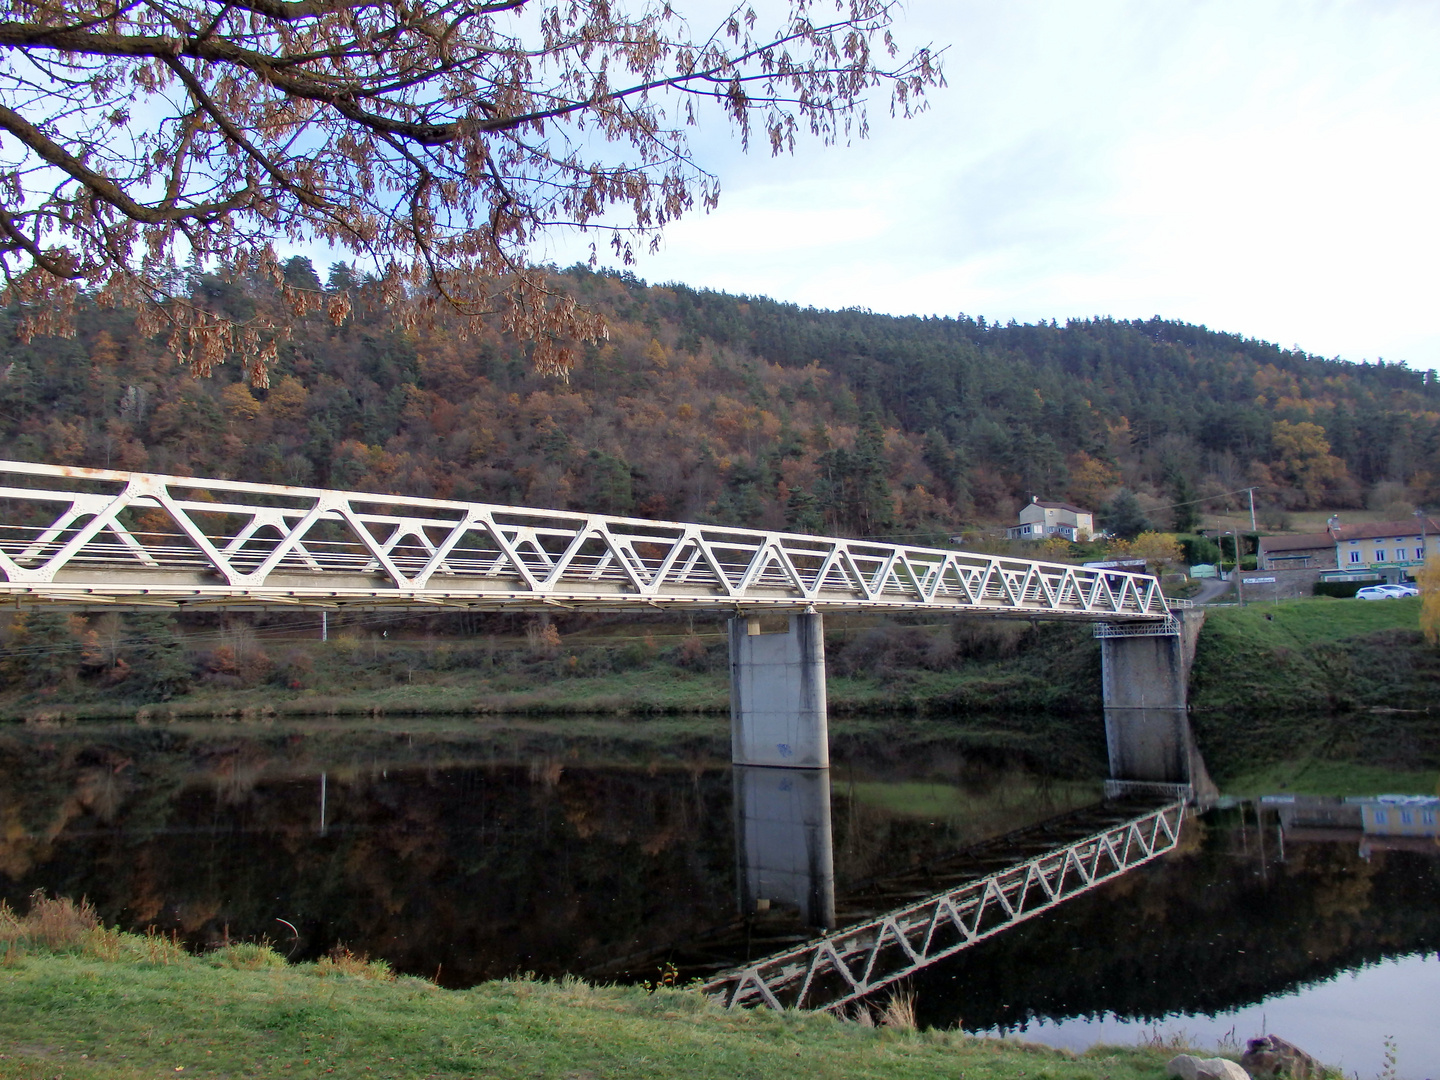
column 848, row 964
column 70, row 535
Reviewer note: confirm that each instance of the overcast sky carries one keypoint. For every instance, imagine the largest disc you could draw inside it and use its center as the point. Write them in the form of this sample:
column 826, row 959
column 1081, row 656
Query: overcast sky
column 1263, row 168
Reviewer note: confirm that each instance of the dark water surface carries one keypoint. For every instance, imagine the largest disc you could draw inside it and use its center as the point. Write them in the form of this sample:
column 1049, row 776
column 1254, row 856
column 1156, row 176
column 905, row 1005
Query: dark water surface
column 477, row 851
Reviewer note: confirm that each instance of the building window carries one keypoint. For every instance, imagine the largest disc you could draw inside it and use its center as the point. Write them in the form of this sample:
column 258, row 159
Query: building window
column 1407, row 818
column 1379, row 554
column 1354, row 556
column 1419, row 553
column 1381, row 817
column 1427, row 817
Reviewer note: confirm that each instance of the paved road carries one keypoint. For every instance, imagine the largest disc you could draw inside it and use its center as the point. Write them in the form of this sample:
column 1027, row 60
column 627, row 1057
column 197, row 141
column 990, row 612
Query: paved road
column 1212, row 589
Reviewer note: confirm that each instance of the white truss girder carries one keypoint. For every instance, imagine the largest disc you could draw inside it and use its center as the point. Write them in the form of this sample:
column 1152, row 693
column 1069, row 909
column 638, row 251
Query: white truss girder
column 93, row 536
column 845, row 965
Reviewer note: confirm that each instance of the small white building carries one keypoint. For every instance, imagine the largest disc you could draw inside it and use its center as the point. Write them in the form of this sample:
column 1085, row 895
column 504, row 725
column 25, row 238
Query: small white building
column 1040, row 519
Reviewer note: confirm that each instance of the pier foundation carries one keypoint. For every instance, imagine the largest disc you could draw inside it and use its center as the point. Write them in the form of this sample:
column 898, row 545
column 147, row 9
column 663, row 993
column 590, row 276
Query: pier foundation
column 1145, row 682
column 777, row 694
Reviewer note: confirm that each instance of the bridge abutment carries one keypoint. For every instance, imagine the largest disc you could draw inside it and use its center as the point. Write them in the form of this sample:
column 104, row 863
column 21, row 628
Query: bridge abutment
column 1145, row 679
column 777, row 694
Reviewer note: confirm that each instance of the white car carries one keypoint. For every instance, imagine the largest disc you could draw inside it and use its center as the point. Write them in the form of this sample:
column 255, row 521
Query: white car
column 1387, row 592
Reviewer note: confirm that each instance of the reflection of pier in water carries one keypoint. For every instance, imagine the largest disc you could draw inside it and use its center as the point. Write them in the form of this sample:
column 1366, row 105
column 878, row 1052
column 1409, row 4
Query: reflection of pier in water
column 785, row 951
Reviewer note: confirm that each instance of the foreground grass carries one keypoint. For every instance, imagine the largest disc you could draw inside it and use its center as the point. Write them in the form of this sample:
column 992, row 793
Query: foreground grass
column 115, row 1005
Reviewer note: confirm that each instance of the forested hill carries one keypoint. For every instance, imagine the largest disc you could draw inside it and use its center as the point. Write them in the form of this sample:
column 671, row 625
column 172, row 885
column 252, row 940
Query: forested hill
column 741, row 410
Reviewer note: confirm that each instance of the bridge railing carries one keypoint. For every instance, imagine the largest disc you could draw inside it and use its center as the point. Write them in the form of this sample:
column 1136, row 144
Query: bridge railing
column 73, row 535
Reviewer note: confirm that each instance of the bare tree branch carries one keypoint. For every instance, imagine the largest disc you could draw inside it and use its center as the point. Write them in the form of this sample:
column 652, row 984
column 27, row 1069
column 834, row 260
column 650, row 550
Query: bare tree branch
column 434, row 139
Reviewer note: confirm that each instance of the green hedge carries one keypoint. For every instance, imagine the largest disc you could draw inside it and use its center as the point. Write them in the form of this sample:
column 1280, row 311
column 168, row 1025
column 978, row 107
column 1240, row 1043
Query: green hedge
column 1343, row 589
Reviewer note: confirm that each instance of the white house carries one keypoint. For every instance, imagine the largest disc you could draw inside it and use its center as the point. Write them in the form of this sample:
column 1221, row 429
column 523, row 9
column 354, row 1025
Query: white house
column 1040, row 519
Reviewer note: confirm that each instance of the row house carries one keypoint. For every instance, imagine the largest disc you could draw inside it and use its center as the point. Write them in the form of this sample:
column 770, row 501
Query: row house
column 1387, row 545
column 1383, row 549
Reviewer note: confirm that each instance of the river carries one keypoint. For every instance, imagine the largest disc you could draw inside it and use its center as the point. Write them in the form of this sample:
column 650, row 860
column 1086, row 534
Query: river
column 464, row 851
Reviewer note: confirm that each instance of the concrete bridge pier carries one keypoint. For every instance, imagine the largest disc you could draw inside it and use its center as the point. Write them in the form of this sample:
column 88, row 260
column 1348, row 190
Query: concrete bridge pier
column 1145, row 676
column 777, row 694
column 783, row 844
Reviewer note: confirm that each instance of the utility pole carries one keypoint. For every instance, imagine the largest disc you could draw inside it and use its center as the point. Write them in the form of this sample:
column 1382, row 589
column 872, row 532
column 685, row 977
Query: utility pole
column 1239, row 576
column 1252, row 510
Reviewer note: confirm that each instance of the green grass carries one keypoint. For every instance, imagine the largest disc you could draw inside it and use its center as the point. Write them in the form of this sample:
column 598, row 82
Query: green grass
column 79, row 1014
column 1322, row 681
column 1315, row 620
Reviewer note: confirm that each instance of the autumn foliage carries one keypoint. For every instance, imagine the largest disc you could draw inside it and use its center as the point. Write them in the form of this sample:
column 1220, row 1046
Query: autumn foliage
column 743, row 411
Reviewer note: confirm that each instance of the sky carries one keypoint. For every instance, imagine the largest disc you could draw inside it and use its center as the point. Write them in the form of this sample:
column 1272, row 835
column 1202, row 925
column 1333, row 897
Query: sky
column 1263, row 168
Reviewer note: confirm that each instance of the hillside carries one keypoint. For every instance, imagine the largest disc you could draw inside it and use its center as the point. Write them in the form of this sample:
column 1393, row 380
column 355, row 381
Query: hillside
column 741, row 410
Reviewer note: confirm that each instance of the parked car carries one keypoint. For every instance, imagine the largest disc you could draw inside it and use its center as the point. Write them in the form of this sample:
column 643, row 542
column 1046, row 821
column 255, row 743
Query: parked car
column 1387, row 592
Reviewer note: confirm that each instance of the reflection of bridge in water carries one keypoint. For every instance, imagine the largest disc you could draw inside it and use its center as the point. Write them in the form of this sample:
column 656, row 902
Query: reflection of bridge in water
column 795, row 944
column 104, row 540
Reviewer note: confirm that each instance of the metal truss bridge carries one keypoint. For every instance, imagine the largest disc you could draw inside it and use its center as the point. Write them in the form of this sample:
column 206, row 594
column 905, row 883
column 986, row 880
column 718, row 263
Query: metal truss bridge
column 99, row 537
column 831, row 971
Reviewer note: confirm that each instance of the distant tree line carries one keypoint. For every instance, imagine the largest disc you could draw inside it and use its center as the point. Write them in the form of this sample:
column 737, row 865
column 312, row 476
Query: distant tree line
column 739, row 410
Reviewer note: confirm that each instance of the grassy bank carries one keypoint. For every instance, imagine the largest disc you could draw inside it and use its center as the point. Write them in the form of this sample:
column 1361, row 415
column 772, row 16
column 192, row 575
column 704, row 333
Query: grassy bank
column 1313, row 683
column 79, row 1001
column 652, row 668
column 1318, row 680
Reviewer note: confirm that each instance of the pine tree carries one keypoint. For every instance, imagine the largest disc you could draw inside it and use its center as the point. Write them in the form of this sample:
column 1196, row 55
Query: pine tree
column 874, row 506
column 802, row 512
column 1123, row 516
column 1185, row 514
column 159, row 667
column 43, row 652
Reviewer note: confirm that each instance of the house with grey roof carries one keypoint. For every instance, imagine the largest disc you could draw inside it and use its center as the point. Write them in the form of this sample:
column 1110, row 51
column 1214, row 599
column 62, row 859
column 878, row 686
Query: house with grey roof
column 1040, row 519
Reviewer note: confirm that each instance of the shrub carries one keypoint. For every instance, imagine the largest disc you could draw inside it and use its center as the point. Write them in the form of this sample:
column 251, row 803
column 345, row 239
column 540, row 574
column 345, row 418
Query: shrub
column 1199, row 550
column 887, row 650
column 295, row 671
column 58, row 924
column 247, row 956
column 1342, row 589
column 692, row 654
column 989, row 639
column 341, row 961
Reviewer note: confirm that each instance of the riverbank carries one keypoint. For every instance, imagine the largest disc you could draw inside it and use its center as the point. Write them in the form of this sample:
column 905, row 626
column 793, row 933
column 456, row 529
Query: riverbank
column 650, row 668
column 1312, row 680
column 1320, row 680
column 82, row 1001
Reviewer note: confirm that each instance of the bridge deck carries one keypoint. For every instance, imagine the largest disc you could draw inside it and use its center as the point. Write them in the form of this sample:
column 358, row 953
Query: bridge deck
column 100, row 537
